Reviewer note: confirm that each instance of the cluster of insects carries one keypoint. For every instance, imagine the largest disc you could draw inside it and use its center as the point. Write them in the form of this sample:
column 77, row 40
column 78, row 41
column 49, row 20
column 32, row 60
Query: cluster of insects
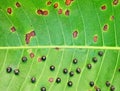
column 65, row 71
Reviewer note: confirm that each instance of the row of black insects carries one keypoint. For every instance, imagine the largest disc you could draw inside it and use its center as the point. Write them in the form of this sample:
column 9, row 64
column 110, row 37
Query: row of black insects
column 65, row 71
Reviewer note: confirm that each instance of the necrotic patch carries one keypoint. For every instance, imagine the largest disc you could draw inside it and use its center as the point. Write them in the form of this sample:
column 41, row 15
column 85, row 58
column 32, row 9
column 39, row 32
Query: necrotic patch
column 49, row 3
column 67, row 12
column 68, row 2
column 28, row 36
column 103, row 7
column 55, row 5
column 60, row 11
column 13, row 29
column 105, row 28
column 115, row 2
column 18, row 4
column 75, row 34
column 95, row 38
column 9, row 10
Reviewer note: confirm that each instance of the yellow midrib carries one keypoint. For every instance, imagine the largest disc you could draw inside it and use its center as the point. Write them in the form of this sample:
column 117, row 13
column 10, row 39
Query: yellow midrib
column 82, row 47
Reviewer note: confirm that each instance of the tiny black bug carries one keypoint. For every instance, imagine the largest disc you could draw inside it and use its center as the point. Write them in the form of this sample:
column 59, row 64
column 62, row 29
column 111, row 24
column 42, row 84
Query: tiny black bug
column 65, row 70
column 33, row 79
column 91, row 83
column 24, row 59
column 75, row 61
column 98, row 89
column 100, row 53
column 52, row 67
column 8, row 69
column 94, row 59
column 43, row 89
column 16, row 71
column 112, row 88
column 89, row 66
column 70, row 83
column 78, row 70
column 71, row 73
column 58, row 80
column 107, row 83
column 43, row 58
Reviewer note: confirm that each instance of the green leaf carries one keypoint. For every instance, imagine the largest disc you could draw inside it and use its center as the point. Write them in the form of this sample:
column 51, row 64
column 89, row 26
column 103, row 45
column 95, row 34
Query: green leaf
column 33, row 29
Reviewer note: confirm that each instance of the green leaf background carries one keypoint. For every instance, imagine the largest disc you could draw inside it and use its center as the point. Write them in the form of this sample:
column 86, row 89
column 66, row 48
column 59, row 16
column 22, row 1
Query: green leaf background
column 54, row 39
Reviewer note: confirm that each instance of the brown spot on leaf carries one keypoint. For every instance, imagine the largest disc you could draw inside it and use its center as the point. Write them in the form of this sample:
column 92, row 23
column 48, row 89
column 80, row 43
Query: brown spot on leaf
column 112, row 18
column 55, row 5
column 32, row 55
column 39, row 11
column 42, row 12
column 60, row 11
column 49, row 3
column 115, row 2
column 9, row 10
column 75, row 34
column 51, row 80
column 105, row 28
column 95, row 38
column 18, row 4
column 68, row 2
column 67, row 12
column 57, row 48
column 39, row 59
column 45, row 12
column 13, row 29
column 103, row 7
column 29, row 35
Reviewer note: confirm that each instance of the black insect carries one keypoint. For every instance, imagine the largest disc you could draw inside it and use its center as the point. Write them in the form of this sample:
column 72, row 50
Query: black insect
column 71, row 73
column 89, row 66
column 52, row 67
column 100, row 53
column 24, row 59
column 78, row 70
column 58, row 80
column 33, row 79
column 65, row 70
column 43, row 89
column 70, row 83
column 16, row 71
column 75, row 61
column 98, row 89
column 94, row 59
column 8, row 69
column 107, row 83
column 91, row 83
column 43, row 58
column 112, row 88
